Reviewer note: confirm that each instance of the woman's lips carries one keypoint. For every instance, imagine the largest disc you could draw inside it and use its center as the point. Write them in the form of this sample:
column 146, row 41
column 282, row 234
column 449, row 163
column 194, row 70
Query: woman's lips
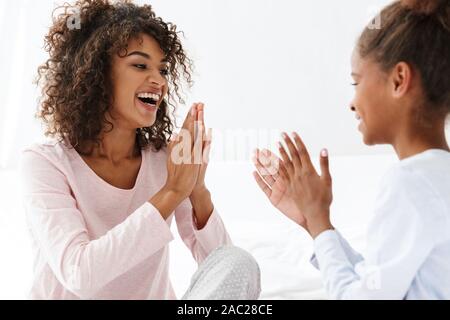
column 147, row 107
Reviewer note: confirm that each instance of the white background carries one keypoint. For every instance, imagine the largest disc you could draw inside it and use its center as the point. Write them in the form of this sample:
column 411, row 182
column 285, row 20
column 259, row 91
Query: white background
column 261, row 66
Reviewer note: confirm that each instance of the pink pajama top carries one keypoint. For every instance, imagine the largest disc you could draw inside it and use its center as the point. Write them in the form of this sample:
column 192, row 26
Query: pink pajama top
column 92, row 240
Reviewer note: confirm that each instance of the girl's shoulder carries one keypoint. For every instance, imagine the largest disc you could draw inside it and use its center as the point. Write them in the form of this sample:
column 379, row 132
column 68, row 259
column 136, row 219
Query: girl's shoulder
column 422, row 183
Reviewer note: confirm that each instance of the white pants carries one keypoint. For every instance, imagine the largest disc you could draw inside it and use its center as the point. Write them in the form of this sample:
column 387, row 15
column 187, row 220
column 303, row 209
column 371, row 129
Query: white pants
column 228, row 273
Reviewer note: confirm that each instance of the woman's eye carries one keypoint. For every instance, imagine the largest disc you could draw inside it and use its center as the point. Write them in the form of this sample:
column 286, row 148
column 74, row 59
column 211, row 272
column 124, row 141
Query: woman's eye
column 141, row 66
column 164, row 72
column 354, row 84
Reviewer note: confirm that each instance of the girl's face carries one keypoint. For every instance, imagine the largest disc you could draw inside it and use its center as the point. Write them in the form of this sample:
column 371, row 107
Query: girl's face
column 372, row 102
column 139, row 83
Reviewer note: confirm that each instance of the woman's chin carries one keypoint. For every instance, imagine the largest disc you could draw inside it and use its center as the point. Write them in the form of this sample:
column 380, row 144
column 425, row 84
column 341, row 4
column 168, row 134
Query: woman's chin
column 147, row 121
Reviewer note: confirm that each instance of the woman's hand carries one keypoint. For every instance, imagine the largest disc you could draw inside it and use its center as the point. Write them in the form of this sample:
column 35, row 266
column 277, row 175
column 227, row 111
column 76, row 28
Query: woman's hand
column 205, row 139
column 312, row 193
column 182, row 166
column 182, row 171
column 274, row 186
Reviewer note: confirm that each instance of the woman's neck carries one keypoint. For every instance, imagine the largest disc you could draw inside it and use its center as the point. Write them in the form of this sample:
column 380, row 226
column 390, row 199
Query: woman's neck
column 115, row 145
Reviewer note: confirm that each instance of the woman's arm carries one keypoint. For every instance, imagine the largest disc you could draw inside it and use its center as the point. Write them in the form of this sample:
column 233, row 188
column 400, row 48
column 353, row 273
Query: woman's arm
column 83, row 265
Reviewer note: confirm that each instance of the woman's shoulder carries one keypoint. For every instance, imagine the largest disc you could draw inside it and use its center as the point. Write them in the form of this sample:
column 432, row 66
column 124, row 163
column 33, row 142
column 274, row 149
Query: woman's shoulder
column 46, row 152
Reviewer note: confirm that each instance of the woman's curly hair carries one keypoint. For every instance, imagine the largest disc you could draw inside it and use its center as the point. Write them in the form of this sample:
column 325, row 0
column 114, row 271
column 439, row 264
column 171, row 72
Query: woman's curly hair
column 75, row 80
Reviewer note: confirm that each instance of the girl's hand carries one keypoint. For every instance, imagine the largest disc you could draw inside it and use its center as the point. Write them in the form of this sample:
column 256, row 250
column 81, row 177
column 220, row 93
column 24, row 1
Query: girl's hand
column 312, row 193
column 274, row 186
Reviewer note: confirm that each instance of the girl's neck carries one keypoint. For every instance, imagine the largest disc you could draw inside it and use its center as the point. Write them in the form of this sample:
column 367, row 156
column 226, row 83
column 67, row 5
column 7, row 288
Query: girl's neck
column 416, row 140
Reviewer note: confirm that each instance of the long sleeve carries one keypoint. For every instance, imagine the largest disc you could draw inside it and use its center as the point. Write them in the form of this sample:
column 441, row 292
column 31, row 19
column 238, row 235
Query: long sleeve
column 81, row 264
column 200, row 242
column 353, row 256
column 407, row 225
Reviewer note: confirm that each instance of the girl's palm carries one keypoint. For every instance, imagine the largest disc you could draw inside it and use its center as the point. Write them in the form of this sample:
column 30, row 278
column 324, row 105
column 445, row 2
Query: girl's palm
column 275, row 187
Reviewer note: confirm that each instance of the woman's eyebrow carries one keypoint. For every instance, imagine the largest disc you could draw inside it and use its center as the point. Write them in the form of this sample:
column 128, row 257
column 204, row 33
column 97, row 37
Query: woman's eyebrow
column 139, row 53
column 145, row 55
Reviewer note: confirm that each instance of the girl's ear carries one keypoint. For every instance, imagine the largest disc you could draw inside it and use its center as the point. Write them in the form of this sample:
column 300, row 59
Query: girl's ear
column 401, row 78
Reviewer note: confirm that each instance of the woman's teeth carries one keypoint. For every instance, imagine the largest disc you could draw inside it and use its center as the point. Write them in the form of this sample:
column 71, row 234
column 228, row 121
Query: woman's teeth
column 149, row 98
column 154, row 96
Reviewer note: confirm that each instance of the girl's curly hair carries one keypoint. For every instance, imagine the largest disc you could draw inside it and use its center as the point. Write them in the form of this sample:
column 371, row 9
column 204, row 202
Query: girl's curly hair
column 76, row 82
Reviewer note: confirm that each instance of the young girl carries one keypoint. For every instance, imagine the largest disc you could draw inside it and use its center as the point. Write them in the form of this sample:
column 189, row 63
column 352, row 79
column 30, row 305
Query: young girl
column 402, row 82
column 100, row 196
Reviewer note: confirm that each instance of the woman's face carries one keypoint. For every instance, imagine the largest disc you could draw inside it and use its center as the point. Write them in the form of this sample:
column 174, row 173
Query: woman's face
column 372, row 101
column 139, row 83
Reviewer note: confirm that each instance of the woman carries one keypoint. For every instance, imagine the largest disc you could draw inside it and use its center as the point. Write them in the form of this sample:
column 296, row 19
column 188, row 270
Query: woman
column 402, row 98
column 100, row 196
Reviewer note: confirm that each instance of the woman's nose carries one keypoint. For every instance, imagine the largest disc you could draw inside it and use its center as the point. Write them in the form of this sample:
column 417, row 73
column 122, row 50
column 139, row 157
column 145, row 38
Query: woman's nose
column 156, row 80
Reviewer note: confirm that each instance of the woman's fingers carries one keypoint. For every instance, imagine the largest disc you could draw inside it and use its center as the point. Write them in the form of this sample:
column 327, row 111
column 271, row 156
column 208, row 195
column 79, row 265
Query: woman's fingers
column 190, row 117
column 197, row 148
column 207, row 146
column 200, row 119
column 263, row 186
column 292, row 151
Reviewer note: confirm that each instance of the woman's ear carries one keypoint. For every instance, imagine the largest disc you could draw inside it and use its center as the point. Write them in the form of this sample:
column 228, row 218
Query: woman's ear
column 401, row 78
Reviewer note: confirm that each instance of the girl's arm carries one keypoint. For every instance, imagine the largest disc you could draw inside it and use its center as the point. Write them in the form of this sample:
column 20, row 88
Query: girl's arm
column 407, row 226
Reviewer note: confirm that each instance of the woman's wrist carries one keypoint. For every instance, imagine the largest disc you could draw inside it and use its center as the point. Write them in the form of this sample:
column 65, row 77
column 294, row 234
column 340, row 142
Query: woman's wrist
column 199, row 192
column 167, row 200
column 202, row 205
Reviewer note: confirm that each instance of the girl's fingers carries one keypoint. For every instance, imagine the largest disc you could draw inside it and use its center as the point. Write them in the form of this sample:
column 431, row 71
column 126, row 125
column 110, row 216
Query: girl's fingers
column 324, row 165
column 293, row 151
column 263, row 186
column 287, row 161
column 263, row 172
column 303, row 152
column 283, row 172
column 270, row 162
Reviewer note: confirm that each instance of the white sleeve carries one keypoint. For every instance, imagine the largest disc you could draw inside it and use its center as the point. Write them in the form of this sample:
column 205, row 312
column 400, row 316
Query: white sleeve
column 353, row 256
column 404, row 230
